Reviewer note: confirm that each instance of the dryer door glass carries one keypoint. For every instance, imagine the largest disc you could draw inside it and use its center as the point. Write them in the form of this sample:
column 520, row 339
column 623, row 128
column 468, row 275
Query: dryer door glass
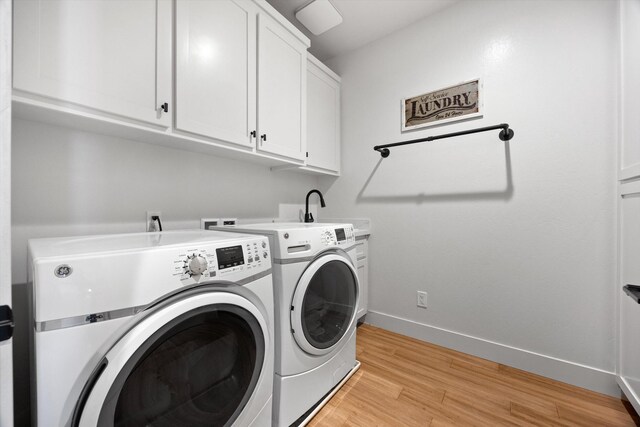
column 329, row 304
column 198, row 370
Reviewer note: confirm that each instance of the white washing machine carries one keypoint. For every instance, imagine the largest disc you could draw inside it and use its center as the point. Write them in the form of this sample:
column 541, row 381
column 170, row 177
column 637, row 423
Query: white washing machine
column 162, row 329
column 316, row 293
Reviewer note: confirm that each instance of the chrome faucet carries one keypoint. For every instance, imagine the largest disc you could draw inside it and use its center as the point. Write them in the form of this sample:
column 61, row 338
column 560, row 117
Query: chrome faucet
column 308, row 217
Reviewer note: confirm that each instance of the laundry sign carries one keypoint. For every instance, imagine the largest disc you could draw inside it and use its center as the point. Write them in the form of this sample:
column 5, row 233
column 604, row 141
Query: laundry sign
column 452, row 103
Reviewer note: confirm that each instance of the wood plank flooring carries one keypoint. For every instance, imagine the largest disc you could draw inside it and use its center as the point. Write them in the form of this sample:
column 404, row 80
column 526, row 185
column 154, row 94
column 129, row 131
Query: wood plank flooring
column 407, row 382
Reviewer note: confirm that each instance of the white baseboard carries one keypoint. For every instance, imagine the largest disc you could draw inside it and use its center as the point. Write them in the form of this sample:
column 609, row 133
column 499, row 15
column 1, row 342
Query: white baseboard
column 561, row 370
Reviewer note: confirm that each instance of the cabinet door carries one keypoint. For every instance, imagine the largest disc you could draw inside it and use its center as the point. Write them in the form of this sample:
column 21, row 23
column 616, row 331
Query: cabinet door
column 323, row 119
column 630, row 87
column 216, row 69
column 628, row 369
column 282, row 65
column 363, row 278
column 629, row 338
column 362, row 251
column 112, row 56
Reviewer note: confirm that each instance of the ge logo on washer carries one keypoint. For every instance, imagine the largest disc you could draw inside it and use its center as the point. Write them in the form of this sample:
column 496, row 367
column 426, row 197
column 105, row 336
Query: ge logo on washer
column 63, row 271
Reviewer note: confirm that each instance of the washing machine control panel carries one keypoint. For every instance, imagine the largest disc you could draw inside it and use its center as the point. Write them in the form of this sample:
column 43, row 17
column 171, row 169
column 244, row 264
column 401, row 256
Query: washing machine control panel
column 337, row 236
column 196, row 264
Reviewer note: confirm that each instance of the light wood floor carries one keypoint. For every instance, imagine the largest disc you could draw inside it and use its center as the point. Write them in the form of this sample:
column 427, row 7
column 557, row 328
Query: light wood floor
column 406, row 382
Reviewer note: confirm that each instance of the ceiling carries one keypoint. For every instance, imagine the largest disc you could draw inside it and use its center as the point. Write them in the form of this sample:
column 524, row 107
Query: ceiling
column 363, row 21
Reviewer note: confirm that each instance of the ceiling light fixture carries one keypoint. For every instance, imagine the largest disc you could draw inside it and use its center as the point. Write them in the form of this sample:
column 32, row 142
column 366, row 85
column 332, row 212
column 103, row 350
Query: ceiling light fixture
column 319, row 16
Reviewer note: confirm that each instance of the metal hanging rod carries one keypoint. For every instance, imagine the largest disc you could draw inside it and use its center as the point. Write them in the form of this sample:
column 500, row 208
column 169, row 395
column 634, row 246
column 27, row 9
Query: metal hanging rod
column 505, row 135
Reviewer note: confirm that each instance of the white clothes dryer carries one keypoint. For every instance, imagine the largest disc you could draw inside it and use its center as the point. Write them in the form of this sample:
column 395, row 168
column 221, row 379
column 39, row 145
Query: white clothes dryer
column 163, row 329
column 316, row 293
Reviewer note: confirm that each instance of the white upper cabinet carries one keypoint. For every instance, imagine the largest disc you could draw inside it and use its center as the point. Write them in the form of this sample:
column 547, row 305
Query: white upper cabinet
column 240, row 77
column 106, row 55
column 282, row 64
column 216, row 69
column 323, row 118
column 629, row 147
column 239, row 82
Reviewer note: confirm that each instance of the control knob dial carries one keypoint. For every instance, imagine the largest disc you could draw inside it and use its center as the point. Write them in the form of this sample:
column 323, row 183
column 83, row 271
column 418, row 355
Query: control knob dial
column 195, row 265
column 327, row 236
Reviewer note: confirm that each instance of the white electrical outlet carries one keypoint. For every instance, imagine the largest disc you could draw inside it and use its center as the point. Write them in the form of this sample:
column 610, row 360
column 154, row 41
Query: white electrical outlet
column 422, row 299
column 152, row 225
column 208, row 223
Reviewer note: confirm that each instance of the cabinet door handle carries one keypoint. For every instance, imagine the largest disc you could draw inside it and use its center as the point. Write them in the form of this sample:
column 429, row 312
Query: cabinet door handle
column 264, row 137
column 6, row 322
column 253, row 134
column 633, row 291
column 165, row 107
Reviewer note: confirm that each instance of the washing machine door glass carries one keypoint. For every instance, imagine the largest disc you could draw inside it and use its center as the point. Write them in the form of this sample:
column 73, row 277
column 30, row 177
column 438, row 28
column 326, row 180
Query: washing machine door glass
column 324, row 303
column 198, row 369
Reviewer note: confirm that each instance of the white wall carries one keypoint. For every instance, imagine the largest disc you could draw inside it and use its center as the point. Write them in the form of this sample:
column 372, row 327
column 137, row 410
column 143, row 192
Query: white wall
column 514, row 243
column 68, row 182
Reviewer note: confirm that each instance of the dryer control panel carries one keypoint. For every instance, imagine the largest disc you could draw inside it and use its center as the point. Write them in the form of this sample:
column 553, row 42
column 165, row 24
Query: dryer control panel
column 245, row 257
